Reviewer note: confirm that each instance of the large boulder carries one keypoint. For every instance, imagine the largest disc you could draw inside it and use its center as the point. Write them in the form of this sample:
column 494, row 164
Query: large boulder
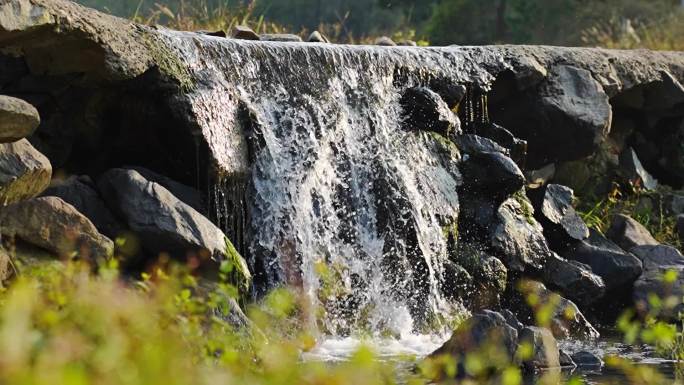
column 24, row 172
column 516, row 237
column 533, row 299
column 544, row 348
column 80, row 192
column 617, row 268
column 18, row 119
column 554, row 208
column 663, row 277
column 54, row 225
column 425, row 110
column 164, row 224
column 565, row 119
column 492, row 173
column 628, row 233
column 485, row 335
column 188, row 195
column 574, row 280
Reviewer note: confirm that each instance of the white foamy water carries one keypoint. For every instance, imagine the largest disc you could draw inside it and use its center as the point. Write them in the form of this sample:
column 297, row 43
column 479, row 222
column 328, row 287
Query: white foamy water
column 340, row 349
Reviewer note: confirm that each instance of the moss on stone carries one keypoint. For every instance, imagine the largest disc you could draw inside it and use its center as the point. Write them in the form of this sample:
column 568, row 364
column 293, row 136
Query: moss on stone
column 169, row 64
column 235, row 268
column 525, row 206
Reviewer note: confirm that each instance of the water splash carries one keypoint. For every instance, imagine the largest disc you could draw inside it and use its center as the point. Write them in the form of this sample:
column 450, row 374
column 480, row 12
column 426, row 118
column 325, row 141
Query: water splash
column 318, row 173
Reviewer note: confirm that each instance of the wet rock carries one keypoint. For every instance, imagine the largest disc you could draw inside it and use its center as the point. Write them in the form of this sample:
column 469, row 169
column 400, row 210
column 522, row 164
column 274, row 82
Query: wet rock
column 52, row 224
column 517, row 238
column 243, row 32
column 676, row 205
column 634, row 171
column 565, row 360
column 544, row 348
column 24, row 172
column 628, row 233
column 18, row 119
column 587, row 360
column 407, row 43
column 493, row 174
column 617, row 268
column 562, row 225
column 567, row 321
column 425, row 110
column 517, row 147
column 481, row 332
column 188, row 195
column 573, row 280
column 659, row 261
column 80, row 192
column 474, row 144
column 680, row 228
column 164, row 224
column 489, row 280
column 282, row 37
column 317, row 37
column 385, row 41
column 452, row 93
column 456, row 282
column 512, row 320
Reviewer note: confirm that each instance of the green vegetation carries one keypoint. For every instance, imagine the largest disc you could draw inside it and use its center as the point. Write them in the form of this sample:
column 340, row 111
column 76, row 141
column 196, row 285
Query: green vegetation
column 652, row 24
column 648, row 208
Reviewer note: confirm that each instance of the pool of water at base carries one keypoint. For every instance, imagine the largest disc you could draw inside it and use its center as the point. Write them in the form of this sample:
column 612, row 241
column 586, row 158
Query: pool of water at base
column 406, row 351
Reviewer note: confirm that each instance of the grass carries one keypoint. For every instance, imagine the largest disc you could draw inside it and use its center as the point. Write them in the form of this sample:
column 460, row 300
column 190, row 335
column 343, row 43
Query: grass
column 647, row 208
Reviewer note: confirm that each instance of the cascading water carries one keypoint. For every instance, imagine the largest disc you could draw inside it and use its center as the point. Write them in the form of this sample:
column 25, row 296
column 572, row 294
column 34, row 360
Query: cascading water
column 333, row 181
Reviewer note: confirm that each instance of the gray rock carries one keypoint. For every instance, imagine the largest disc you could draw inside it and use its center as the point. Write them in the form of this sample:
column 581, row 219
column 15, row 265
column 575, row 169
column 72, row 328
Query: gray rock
column 54, row 225
column 574, row 280
column 587, row 360
column 617, row 268
column 677, row 204
column 566, row 119
column 628, row 233
column 24, row 172
column 385, row 41
column 213, row 33
column 452, row 93
column 188, row 195
column 516, row 146
column 512, row 320
column 425, row 110
column 565, row 360
column 680, row 227
column 317, row 37
column 474, row 144
column 544, row 347
column 567, row 321
column 80, row 192
column 243, row 32
column 482, row 331
column 540, row 177
column 282, row 37
column 407, row 43
column 456, row 282
column 658, row 261
column 492, row 173
column 165, row 224
column 517, row 238
column 634, row 171
column 18, row 119
column 554, row 208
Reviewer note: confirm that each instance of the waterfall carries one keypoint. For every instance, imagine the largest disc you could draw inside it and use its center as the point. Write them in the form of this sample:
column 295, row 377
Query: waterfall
column 320, row 185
